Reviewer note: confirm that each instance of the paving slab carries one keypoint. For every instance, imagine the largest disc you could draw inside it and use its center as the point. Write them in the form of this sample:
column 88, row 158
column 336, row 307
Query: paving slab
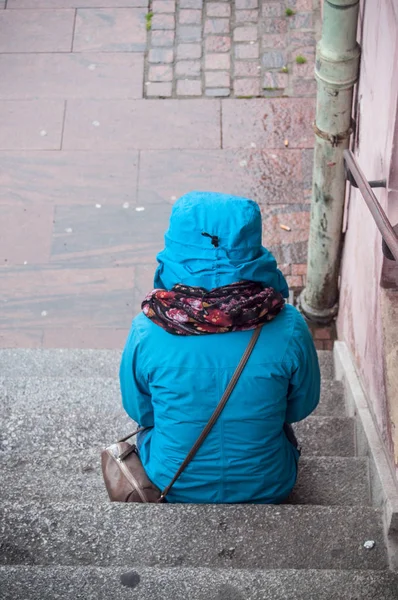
column 52, row 294
column 116, row 125
column 81, row 337
column 31, row 124
column 162, row 38
column 298, row 39
column 83, row 178
column 17, row 338
column 26, row 234
column 267, row 176
column 143, row 281
column 108, row 235
column 289, row 246
column 36, row 31
column 304, row 88
column 302, row 5
column 91, row 583
column 271, row 123
column 247, row 123
column 64, row 336
column 172, row 535
column 274, row 25
column 247, row 16
column 110, row 30
column 71, row 75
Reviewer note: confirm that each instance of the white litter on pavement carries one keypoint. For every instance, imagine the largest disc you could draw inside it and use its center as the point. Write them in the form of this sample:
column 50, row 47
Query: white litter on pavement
column 369, row 544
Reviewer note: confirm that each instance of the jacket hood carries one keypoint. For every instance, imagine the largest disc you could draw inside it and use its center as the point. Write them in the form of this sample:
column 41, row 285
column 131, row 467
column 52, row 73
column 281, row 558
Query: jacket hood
column 231, row 251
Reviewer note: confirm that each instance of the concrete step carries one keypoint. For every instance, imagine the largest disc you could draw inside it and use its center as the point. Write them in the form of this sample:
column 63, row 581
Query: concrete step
column 87, row 363
column 332, row 399
column 216, row 536
column 326, row 436
column 331, row 481
column 331, row 402
column 93, row 583
column 326, row 363
column 79, row 413
column 76, row 475
column 60, row 363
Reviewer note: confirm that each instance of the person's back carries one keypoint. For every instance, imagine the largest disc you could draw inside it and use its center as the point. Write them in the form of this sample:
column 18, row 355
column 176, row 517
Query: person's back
column 171, row 383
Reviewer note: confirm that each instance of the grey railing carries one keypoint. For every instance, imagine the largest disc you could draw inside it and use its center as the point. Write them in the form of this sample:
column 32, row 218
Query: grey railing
column 358, row 179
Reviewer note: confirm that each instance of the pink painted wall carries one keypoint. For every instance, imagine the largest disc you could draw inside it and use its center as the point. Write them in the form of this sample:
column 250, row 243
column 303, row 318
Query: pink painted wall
column 359, row 321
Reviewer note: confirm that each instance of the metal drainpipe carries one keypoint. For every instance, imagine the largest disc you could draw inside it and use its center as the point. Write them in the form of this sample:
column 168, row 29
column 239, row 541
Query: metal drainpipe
column 336, row 71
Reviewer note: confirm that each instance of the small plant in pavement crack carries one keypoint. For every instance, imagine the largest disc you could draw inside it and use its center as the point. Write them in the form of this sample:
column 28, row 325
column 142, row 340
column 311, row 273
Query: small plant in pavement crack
column 289, row 12
column 301, row 60
column 148, row 19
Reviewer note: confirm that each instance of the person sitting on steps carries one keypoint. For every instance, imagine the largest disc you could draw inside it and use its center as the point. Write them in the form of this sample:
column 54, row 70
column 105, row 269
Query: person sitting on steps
column 215, row 283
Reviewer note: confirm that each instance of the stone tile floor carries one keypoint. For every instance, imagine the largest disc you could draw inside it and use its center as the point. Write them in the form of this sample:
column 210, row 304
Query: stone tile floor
column 90, row 165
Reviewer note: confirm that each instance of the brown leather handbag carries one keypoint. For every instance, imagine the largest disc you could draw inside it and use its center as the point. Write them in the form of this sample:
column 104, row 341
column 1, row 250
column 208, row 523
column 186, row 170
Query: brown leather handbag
column 125, row 477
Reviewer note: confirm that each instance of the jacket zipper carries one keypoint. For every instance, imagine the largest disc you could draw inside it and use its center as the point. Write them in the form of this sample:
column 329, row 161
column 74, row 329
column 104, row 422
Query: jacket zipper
column 130, row 478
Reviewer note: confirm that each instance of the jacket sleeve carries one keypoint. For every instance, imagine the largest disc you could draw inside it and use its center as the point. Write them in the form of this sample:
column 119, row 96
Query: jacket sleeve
column 305, row 382
column 134, row 386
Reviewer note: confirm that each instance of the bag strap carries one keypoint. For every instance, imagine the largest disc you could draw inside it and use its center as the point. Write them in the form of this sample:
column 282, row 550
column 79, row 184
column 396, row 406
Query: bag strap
column 217, row 412
column 131, row 435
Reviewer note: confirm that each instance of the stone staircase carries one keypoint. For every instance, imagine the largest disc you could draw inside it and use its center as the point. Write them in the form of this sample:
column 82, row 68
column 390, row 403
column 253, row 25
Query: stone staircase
column 61, row 538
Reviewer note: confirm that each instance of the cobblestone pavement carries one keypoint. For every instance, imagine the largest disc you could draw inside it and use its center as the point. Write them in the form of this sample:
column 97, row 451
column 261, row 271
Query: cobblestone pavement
column 242, row 49
column 89, row 167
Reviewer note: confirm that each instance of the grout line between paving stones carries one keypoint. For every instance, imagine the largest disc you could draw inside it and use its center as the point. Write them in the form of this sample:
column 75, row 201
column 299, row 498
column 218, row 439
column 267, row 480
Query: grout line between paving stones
column 232, row 51
column 146, row 53
column 175, row 46
column 73, row 30
column 137, row 185
column 203, row 55
column 63, row 126
column 221, row 127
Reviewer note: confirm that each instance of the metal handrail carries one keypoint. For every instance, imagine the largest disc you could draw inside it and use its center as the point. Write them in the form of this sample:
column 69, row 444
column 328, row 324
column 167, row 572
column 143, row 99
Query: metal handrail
column 383, row 224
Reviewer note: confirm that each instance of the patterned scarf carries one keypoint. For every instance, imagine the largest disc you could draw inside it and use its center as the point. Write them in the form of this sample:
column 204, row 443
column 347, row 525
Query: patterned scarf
column 195, row 311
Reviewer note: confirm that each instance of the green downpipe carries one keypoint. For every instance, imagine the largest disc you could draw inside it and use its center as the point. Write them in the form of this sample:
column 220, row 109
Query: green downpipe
column 336, row 72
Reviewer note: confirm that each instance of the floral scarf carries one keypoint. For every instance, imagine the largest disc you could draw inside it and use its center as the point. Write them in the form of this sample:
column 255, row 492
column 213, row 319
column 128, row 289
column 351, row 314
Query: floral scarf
column 195, row 311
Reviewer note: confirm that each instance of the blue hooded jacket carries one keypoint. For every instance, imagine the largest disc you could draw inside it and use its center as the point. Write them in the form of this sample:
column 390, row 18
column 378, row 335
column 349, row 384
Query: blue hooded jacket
column 172, row 384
